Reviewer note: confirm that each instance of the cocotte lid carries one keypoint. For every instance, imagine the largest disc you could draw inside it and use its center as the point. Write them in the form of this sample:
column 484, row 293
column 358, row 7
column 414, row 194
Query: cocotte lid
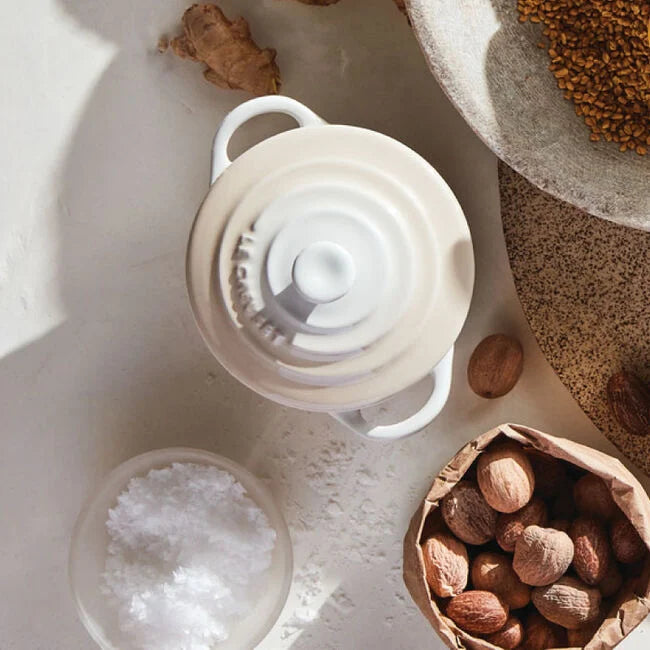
column 330, row 267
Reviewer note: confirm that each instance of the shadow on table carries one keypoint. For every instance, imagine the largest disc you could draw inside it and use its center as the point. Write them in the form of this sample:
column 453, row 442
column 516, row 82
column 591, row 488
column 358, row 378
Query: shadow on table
column 127, row 372
column 128, row 362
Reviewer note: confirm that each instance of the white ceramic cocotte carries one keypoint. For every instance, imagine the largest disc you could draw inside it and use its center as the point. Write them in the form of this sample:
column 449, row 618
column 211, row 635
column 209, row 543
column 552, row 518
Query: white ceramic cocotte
column 329, row 268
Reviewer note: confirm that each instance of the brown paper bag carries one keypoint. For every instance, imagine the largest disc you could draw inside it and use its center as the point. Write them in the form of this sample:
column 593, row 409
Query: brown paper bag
column 632, row 604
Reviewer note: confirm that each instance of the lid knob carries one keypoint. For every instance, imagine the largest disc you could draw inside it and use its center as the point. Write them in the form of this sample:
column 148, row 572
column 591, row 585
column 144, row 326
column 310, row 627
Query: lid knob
column 323, row 272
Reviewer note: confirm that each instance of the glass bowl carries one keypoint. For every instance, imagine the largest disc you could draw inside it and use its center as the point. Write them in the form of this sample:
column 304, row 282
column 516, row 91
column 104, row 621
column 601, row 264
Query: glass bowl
column 90, row 540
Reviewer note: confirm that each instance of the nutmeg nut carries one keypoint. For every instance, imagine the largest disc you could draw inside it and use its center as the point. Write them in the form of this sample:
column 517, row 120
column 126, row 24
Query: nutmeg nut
column 593, row 498
column 494, row 572
column 509, row 636
column 591, row 552
column 629, row 401
column 569, row 602
column 505, row 476
column 580, row 637
column 627, row 545
column 563, row 506
column 495, row 366
column 478, row 612
column 542, row 555
column 540, row 634
column 511, row 525
column 467, row 514
column 550, row 474
column 446, row 564
column 560, row 524
column 612, row 581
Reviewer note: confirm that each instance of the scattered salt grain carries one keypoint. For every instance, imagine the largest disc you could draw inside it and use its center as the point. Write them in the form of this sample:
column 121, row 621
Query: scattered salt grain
column 189, row 551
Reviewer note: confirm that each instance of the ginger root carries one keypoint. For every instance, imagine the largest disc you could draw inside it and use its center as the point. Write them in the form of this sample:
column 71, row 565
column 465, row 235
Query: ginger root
column 232, row 58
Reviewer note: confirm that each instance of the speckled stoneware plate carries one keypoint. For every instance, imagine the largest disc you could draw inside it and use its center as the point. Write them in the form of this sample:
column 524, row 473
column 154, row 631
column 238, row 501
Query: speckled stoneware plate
column 491, row 68
column 584, row 287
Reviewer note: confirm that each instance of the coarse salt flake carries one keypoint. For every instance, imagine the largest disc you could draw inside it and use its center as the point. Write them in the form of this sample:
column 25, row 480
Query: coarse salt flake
column 188, row 553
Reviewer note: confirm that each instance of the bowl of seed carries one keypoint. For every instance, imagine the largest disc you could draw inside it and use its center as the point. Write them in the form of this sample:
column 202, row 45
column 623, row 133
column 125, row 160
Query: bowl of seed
column 558, row 89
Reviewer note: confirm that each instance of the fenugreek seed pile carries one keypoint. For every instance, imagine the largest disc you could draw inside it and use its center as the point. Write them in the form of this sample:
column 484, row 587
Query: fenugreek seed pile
column 600, row 56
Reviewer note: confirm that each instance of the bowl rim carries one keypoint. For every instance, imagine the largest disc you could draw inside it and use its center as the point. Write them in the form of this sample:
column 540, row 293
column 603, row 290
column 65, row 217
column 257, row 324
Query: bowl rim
column 162, row 457
column 554, row 185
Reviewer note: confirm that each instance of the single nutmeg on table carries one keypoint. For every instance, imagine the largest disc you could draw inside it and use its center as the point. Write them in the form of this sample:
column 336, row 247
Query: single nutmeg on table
column 468, row 515
column 569, row 602
column 495, row 366
column 478, row 612
column 591, row 555
column 505, row 477
column 629, row 401
column 446, row 564
column 542, row 555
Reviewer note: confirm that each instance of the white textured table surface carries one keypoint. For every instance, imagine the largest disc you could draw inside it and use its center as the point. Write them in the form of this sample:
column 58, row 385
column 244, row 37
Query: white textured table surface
column 104, row 162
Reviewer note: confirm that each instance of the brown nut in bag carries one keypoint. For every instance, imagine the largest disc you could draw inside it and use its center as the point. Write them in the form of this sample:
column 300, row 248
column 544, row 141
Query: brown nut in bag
column 619, row 614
